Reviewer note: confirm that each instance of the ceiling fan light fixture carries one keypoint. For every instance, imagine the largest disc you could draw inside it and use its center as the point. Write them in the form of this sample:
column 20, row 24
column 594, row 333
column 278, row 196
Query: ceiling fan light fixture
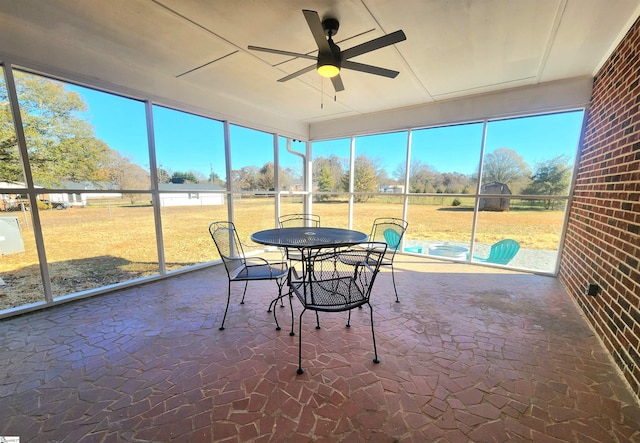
column 329, row 64
column 328, row 70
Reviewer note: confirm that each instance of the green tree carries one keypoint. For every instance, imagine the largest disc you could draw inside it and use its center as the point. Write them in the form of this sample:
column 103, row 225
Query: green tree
column 215, row 179
column 60, row 144
column 326, row 181
column 365, row 178
column 331, row 169
column 266, row 177
column 551, row 177
column 182, row 177
column 10, row 169
column 164, row 176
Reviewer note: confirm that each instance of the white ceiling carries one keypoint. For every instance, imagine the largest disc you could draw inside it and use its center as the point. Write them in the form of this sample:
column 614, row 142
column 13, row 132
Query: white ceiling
column 193, row 53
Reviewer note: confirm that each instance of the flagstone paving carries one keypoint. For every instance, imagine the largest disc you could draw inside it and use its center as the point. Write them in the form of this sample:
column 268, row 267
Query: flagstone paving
column 470, row 354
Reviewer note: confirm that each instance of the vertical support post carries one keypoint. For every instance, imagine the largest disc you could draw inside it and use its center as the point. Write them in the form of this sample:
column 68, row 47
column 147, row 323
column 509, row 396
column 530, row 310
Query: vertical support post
column 155, row 190
column 26, row 168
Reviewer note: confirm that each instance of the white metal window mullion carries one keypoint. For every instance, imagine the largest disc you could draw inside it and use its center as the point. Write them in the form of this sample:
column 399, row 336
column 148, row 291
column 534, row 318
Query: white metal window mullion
column 24, row 155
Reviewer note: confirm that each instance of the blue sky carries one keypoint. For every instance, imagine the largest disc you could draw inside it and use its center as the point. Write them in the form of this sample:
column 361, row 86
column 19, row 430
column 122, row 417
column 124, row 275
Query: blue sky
column 186, row 142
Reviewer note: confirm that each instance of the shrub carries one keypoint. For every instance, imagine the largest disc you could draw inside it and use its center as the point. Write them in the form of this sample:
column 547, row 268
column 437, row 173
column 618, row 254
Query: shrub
column 456, row 202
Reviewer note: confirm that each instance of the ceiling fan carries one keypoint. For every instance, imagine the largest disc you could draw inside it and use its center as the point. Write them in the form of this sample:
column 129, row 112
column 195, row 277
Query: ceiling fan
column 330, row 59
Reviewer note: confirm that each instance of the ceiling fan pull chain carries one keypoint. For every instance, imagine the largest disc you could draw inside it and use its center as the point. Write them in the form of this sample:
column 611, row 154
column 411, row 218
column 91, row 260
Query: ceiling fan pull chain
column 321, row 92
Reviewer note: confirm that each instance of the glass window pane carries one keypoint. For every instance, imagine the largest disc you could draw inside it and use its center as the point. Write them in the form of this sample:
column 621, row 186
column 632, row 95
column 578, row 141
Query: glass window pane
column 251, row 160
column 365, row 212
column 536, row 229
column 253, row 170
column 192, row 184
column 380, row 162
column 185, row 235
column 20, row 279
column 109, row 241
column 11, row 172
column 78, row 137
column 189, row 150
column 330, row 164
column 445, row 159
column 531, row 155
column 440, row 225
column 290, row 176
column 291, row 169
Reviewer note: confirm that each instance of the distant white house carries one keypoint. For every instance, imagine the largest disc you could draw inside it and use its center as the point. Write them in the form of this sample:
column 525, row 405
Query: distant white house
column 74, row 196
column 190, row 194
column 394, row 189
column 171, row 194
column 8, row 199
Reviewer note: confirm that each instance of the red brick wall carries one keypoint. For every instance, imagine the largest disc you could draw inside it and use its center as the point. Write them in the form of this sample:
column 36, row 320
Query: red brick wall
column 603, row 237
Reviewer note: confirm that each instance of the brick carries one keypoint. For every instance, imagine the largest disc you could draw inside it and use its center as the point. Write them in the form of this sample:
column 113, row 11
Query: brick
column 604, row 223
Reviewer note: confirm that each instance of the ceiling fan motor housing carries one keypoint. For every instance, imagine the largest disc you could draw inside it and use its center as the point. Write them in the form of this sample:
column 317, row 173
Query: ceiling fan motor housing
column 330, row 26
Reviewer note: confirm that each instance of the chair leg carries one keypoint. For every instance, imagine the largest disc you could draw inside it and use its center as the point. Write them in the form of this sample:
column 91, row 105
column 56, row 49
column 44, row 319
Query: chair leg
column 373, row 334
column 317, row 320
column 280, row 284
column 227, row 308
column 273, row 303
column 393, row 278
column 292, row 320
column 246, row 283
column 275, row 317
column 348, row 325
column 300, row 370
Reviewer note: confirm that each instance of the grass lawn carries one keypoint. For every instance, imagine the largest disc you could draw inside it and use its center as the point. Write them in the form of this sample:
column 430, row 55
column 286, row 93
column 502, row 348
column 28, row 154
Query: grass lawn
column 96, row 246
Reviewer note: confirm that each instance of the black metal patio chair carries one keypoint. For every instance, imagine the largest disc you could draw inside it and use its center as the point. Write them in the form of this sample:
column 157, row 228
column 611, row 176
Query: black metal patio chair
column 242, row 268
column 336, row 280
column 297, row 221
column 389, row 230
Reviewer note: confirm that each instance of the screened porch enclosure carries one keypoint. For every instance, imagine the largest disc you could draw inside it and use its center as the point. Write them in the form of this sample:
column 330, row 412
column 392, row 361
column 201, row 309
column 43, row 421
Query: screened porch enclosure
column 151, row 179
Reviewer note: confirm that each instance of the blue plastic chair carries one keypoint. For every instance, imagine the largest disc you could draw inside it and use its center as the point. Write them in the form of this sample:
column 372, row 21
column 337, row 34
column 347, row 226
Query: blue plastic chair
column 501, row 252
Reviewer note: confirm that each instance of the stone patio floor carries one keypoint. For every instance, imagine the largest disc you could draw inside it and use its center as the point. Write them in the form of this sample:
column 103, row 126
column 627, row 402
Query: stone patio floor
column 470, row 354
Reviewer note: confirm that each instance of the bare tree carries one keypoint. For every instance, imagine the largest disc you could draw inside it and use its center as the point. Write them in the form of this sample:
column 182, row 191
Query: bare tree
column 504, row 165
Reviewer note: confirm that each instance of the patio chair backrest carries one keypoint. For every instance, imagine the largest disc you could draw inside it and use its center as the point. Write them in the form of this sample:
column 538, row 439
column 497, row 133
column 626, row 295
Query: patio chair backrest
column 299, row 221
column 389, row 230
column 341, row 278
column 226, row 239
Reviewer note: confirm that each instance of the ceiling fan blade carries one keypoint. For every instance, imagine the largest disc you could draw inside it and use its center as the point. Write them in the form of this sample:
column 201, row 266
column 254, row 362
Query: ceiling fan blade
column 297, row 73
column 315, row 25
column 374, row 44
column 337, row 83
column 278, row 51
column 348, row 64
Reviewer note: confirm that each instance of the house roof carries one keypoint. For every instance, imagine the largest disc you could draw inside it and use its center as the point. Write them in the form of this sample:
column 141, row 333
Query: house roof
column 189, row 187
